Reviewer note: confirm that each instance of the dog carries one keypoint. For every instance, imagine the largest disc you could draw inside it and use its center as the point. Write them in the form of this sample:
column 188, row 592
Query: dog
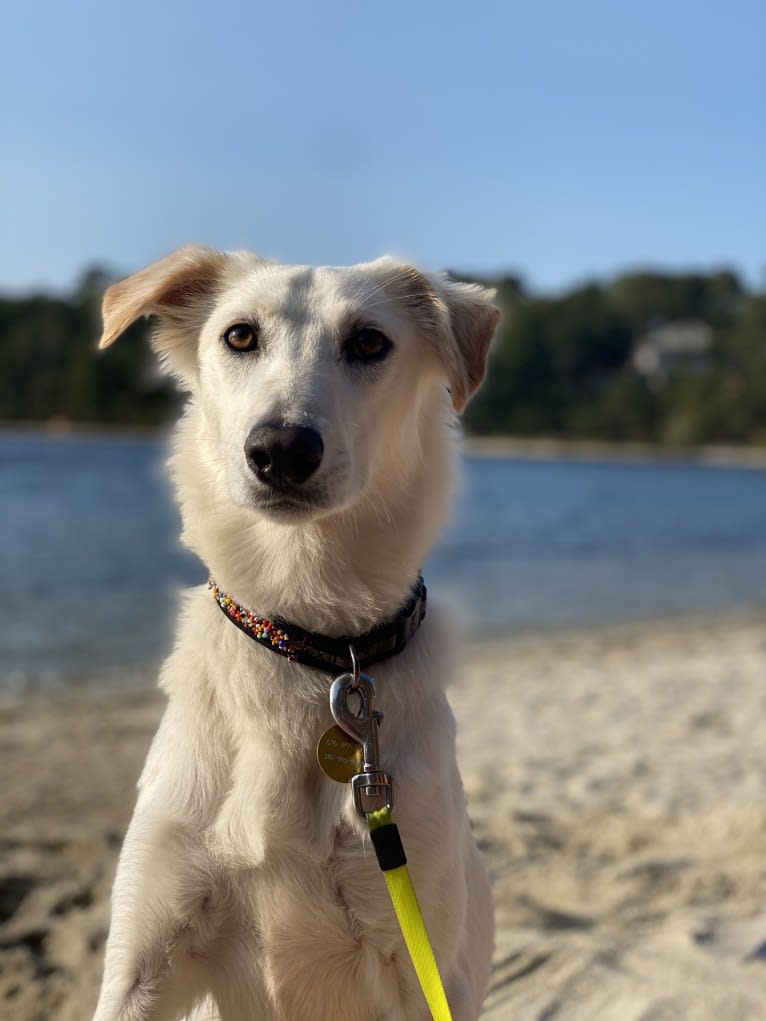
column 314, row 464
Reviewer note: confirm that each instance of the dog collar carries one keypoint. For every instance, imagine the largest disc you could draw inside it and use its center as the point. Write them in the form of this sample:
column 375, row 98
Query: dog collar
column 322, row 651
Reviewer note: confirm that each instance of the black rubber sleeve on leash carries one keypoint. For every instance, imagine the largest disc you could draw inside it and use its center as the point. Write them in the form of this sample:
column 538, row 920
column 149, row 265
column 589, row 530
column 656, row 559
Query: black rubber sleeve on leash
column 388, row 847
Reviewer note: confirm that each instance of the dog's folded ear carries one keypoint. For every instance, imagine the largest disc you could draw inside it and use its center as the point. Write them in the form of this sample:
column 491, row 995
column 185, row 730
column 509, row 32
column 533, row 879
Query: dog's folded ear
column 178, row 289
column 473, row 320
column 458, row 319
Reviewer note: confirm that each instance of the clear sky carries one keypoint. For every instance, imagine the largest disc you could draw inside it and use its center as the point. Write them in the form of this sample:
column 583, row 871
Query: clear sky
column 554, row 138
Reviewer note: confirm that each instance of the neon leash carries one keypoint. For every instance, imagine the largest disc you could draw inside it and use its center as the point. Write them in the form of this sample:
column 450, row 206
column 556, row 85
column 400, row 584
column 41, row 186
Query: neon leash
column 373, row 793
column 393, row 862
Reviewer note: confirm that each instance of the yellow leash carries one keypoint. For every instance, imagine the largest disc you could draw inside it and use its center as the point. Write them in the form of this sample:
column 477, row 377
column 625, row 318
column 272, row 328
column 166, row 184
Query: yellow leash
column 388, row 847
column 358, row 762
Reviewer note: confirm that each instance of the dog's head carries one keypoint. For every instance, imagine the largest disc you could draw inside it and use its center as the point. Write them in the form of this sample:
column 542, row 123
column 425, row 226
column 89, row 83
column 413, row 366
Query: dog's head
column 307, row 379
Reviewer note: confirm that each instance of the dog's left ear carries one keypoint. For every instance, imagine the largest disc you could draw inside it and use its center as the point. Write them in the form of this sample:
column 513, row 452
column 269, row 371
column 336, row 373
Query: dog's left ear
column 473, row 320
column 178, row 289
column 459, row 320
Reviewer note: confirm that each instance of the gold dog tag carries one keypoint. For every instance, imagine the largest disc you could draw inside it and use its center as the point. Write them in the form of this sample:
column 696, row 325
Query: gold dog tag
column 338, row 756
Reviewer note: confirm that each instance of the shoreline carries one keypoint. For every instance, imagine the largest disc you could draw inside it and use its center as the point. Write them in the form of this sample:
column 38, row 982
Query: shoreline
column 134, row 679
column 715, row 455
column 718, row 455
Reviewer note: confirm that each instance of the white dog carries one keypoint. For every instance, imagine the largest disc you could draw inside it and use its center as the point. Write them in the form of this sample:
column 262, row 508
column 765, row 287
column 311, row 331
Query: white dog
column 314, row 465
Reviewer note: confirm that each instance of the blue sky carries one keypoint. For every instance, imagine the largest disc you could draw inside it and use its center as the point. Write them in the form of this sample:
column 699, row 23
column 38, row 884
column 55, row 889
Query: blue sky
column 560, row 140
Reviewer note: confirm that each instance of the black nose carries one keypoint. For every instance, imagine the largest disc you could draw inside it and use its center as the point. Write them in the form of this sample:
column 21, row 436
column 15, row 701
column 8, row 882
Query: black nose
column 283, row 454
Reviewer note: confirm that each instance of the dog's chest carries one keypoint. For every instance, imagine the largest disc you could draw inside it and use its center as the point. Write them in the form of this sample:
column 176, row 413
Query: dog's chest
column 319, row 926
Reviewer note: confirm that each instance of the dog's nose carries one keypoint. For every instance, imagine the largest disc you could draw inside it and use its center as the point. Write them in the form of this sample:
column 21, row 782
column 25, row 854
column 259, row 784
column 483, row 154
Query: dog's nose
column 287, row 454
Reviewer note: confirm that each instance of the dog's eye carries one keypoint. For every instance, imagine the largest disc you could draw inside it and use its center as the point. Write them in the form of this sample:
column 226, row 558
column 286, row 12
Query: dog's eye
column 367, row 345
column 241, row 337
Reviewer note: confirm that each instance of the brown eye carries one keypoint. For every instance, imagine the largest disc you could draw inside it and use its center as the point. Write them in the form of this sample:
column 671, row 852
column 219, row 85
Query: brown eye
column 241, row 337
column 367, row 345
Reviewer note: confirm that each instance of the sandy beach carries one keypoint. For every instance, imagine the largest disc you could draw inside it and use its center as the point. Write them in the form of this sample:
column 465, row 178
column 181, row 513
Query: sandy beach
column 616, row 780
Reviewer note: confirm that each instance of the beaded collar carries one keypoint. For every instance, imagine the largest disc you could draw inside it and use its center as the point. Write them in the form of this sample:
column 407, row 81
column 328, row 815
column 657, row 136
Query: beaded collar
column 322, row 651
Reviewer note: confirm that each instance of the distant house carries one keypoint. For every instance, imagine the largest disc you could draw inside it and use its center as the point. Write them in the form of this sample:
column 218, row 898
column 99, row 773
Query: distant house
column 673, row 349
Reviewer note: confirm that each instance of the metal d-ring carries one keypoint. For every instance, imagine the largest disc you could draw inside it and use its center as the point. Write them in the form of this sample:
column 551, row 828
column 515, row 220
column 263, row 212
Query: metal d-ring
column 355, row 666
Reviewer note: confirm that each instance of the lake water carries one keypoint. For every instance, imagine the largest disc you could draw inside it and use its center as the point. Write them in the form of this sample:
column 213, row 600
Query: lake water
column 89, row 561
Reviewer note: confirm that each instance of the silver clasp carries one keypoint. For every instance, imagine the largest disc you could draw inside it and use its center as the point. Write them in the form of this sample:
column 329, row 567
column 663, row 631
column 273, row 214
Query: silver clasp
column 373, row 789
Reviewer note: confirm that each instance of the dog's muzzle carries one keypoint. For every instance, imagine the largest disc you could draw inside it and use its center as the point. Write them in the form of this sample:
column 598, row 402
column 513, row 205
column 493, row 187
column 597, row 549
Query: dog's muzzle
column 283, row 456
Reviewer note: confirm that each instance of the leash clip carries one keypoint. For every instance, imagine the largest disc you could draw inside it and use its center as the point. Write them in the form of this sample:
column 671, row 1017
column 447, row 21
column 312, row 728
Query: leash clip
column 372, row 788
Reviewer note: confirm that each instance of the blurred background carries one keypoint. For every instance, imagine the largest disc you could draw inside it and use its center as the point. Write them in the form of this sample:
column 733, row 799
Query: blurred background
column 601, row 165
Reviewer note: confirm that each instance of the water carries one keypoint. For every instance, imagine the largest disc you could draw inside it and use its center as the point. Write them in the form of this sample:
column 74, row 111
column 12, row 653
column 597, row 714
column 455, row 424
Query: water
column 89, row 561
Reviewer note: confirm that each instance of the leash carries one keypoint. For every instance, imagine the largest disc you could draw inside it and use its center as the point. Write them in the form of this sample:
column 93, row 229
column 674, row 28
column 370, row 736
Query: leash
column 393, row 862
column 373, row 792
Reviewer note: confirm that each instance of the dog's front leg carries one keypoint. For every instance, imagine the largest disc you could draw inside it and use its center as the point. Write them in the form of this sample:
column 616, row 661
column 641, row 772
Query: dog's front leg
column 166, row 909
column 155, row 958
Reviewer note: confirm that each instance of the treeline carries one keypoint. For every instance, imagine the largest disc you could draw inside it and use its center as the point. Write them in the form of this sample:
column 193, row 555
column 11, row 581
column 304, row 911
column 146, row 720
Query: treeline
column 650, row 357
column 653, row 357
column 50, row 368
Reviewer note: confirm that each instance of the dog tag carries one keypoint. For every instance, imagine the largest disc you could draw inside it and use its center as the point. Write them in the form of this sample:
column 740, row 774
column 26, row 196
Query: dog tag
column 338, row 756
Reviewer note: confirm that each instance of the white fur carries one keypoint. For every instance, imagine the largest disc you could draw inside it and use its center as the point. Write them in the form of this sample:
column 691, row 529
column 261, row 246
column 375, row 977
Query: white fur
column 247, row 887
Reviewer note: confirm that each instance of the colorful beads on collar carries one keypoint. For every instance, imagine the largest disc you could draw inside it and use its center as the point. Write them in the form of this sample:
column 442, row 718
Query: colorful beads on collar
column 266, row 631
column 325, row 652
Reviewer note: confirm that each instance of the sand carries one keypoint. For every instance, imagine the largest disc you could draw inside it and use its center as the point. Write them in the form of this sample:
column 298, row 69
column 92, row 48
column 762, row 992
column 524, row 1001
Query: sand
column 616, row 781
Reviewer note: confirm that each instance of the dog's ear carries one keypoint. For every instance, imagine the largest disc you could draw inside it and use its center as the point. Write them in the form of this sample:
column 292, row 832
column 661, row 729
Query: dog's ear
column 178, row 289
column 458, row 319
column 473, row 320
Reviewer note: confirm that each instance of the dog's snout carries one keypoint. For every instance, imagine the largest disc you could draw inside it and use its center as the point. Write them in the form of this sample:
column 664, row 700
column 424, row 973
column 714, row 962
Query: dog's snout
column 284, row 455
